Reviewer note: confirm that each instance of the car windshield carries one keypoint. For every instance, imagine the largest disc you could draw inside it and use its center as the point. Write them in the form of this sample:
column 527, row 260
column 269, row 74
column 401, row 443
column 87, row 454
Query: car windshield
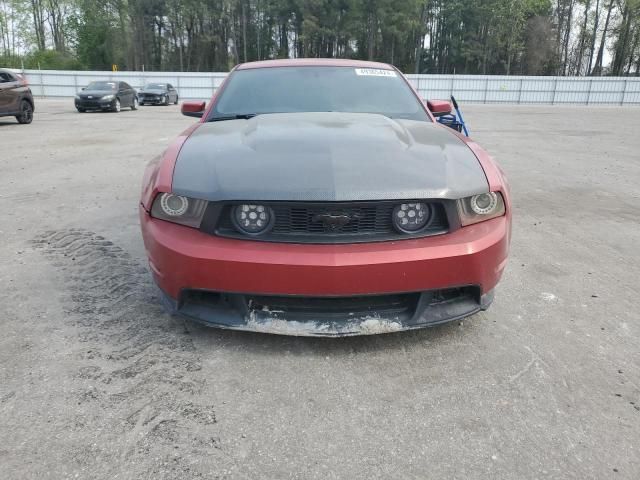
column 101, row 86
column 155, row 86
column 317, row 89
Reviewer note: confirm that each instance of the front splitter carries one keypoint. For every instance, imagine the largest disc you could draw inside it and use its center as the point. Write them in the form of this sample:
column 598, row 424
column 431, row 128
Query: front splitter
column 276, row 322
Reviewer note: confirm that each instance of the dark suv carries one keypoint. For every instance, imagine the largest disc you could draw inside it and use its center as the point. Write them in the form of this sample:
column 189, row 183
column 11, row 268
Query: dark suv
column 16, row 99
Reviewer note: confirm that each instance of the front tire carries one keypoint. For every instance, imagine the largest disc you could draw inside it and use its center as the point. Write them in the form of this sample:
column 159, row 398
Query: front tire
column 81, row 110
column 134, row 105
column 117, row 106
column 26, row 113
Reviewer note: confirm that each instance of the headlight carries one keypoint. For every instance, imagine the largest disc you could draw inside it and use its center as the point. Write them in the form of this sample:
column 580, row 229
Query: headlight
column 411, row 217
column 107, row 98
column 174, row 205
column 252, row 219
column 480, row 208
column 178, row 209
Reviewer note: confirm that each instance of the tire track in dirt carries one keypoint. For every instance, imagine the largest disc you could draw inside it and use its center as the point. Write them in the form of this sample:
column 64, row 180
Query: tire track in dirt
column 141, row 372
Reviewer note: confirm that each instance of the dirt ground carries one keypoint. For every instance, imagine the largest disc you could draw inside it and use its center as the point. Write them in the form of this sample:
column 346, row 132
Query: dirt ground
column 96, row 382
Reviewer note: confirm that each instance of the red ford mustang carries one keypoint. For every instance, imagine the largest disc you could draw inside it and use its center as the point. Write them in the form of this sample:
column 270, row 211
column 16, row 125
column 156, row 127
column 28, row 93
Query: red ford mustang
column 321, row 197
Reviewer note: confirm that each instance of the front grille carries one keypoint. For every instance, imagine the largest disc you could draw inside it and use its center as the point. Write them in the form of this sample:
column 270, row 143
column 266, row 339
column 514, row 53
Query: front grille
column 302, row 222
column 400, row 306
column 337, row 315
column 302, row 308
column 300, row 219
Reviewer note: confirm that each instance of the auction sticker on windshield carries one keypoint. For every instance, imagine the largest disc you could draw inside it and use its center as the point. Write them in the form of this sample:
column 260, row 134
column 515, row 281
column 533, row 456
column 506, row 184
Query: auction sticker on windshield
column 375, row 72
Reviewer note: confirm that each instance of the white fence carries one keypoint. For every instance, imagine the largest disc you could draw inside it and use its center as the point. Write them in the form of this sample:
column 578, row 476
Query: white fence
column 521, row 89
column 466, row 88
column 61, row 83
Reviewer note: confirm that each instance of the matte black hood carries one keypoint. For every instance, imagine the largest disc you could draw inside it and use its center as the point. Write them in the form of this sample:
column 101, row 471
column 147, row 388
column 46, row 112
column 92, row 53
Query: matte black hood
column 325, row 157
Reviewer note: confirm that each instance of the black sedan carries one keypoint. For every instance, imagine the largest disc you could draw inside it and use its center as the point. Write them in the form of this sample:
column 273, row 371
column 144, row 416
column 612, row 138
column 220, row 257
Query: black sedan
column 158, row 94
column 106, row 96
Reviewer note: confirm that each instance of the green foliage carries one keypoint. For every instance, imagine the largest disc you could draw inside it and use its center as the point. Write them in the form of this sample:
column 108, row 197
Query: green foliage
column 42, row 59
column 10, row 61
column 424, row 36
column 98, row 41
column 52, row 60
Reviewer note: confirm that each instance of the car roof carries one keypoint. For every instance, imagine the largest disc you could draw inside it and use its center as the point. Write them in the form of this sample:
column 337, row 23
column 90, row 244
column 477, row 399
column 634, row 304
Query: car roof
column 314, row 62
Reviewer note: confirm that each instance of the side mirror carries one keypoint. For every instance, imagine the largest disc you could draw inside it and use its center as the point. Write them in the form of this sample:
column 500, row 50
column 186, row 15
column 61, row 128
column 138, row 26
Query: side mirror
column 439, row 107
column 193, row 109
column 83, row 88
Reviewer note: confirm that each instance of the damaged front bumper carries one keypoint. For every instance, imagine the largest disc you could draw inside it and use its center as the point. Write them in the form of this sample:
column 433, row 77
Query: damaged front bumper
column 329, row 316
column 326, row 290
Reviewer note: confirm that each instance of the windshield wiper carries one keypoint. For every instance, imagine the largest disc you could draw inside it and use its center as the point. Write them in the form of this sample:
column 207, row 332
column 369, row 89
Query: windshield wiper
column 239, row 116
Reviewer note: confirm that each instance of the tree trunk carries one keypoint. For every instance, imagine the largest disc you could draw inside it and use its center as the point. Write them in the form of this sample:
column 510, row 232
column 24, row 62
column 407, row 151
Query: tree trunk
column 244, row 31
column 420, row 37
column 593, row 37
column 55, row 18
column 38, row 23
column 567, row 36
column 131, row 57
column 633, row 49
column 371, row 36
column 258, row 29
column 234, row 39
column 598, row 66
column 622, row 43
column 583, row 36
column 284, row 39
column 559, row 37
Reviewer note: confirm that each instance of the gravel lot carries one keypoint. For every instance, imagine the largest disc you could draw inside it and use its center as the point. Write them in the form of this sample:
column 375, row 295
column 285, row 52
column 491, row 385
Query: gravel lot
column 97, row 382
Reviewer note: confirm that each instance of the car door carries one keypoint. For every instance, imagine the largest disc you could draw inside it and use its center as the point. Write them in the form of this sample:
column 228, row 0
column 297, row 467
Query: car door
column 131, row 93
column 173, row 94
column 9, row 95
column 124, row 94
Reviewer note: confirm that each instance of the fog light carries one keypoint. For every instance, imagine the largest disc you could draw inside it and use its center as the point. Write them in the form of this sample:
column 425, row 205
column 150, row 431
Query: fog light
column 411, row 217
column 252, row 219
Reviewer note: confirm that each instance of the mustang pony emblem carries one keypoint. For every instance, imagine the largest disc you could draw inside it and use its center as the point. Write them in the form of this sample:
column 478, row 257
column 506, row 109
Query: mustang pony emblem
column 335, row 221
